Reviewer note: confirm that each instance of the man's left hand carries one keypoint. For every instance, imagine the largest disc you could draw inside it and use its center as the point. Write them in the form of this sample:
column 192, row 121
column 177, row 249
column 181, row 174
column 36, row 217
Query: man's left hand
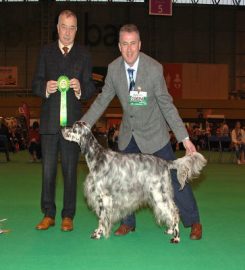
column 75, row 84
column 189, row 146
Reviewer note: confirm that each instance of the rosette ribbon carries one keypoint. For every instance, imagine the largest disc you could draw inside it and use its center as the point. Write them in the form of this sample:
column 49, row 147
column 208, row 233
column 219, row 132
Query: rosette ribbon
column 63, row 87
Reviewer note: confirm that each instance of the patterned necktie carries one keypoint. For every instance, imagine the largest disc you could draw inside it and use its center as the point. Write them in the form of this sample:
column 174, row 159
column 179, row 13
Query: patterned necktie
column 65, row 49
column 131, row 79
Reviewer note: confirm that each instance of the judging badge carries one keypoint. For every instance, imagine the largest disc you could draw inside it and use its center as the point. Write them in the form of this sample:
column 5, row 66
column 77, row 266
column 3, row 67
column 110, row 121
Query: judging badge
column 63, row 87
column 138, row 97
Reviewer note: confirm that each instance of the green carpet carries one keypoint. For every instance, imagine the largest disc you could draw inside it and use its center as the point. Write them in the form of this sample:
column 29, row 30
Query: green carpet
column 219, row 192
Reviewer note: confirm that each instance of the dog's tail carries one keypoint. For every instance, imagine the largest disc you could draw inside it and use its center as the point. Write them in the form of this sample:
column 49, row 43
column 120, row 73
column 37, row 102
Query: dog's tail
column 188, row 167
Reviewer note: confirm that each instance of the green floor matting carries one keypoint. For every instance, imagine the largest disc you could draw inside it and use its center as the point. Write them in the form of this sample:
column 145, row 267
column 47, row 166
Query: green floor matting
column 220, row 193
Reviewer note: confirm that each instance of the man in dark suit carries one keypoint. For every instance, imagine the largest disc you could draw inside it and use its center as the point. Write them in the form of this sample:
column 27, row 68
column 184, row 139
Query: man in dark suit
column 61, row 105
column 148, row 111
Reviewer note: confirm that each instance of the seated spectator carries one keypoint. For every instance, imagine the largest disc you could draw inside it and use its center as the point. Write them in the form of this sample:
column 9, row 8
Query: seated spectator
column 208, row 129
column 198, row 137
column 219, row 130
column 225, row 131
column 238, row 141
column 214, row 129
column 35, row 142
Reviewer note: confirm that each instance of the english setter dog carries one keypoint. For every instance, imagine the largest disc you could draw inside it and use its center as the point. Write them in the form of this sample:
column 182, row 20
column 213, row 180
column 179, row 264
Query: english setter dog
column 118, row 184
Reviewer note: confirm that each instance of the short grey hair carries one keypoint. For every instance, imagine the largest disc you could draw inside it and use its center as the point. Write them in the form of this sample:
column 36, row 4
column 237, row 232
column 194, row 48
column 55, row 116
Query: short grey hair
column 68, row 13
column 129, row 28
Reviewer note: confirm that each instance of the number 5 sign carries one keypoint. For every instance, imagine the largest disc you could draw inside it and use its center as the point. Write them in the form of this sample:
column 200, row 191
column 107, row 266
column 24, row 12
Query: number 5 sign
column 160, row 7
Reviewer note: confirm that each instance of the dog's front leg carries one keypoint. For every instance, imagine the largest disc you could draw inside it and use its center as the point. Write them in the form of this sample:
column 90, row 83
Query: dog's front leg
column 104, row 214
column 99, row 208
column 174, row 230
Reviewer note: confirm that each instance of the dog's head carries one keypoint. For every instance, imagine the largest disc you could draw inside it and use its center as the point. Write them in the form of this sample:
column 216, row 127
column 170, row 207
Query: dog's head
column 79, row 133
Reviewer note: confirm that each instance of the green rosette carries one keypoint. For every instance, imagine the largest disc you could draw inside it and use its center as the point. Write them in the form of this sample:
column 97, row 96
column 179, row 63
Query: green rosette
column 63, row 87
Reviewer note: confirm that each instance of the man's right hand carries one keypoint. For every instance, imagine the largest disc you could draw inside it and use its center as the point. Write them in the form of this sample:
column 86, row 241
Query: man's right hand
column 51, row 87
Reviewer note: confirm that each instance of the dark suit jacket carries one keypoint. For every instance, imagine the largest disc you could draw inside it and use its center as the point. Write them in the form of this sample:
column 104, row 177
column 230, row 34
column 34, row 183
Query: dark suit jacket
column 148, row 124
column 51, row 65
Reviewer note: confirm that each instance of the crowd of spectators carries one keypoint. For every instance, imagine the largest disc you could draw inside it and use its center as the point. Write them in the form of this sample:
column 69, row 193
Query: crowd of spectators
column 198, row 133
column 13, row 130
column 233, row 134
column 19, row 137
column 15, row 135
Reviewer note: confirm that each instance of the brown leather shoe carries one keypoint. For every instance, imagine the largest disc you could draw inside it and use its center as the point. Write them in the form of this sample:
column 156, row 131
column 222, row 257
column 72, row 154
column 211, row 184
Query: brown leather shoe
column 45, row 223
column 67, row 224
column 196, row 231
column 124, row 229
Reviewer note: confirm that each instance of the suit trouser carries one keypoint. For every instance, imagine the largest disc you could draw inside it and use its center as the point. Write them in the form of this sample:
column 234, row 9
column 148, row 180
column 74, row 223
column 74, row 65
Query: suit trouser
column 184, row 199
column 52, row 146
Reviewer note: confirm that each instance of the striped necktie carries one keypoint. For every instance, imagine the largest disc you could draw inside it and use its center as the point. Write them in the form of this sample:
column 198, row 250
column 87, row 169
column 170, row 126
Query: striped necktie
column 131, row 79
column 65, row 49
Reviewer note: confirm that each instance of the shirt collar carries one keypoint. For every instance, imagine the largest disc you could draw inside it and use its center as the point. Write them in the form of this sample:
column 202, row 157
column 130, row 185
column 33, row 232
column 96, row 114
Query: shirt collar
column 68, row 46
column 134, row 67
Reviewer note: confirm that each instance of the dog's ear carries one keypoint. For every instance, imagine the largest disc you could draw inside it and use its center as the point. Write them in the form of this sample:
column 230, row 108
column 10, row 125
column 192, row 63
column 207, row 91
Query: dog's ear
column 65, row 131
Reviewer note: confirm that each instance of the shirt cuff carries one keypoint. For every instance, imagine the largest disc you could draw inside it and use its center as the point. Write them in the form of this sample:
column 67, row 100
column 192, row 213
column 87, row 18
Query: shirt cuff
column 78, row 96
column 186, row 138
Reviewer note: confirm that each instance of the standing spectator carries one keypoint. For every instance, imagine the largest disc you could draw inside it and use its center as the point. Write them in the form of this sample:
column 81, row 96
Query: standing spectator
column 238, row 140
column 4, row 138
column 138, row 81
column 110, row 135
column 35, row 142
column 15, row 137
column 115, row 138
column 4, row 130
column 63, row 78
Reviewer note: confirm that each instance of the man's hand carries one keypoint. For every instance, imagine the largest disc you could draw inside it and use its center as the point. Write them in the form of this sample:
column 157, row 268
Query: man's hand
column 189, row 146
column 75, row 84
column 51, row 87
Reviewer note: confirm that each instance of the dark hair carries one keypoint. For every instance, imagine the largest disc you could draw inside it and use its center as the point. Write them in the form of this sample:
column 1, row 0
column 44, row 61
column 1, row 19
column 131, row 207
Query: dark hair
column 35, row 125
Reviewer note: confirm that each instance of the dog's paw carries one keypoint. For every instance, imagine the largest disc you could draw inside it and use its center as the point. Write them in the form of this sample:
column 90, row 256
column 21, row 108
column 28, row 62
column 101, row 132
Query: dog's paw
column 175, row 240
column 96, row 234
column 169, row 231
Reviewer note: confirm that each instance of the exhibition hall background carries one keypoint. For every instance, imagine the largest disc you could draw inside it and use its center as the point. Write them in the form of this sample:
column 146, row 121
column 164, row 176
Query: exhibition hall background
column 202, row 49
column 205, row 42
